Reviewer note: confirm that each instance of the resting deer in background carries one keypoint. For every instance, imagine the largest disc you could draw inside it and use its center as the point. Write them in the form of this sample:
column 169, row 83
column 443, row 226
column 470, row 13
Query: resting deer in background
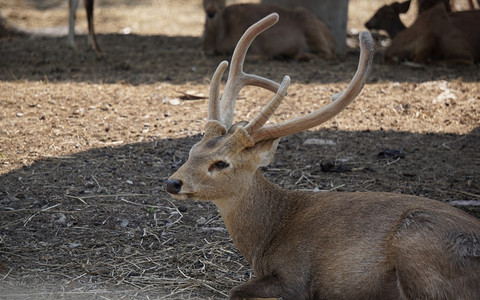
column 332, row 245
column 299, row 34
column 438, row 35
column 387, row 17
column 92, row 39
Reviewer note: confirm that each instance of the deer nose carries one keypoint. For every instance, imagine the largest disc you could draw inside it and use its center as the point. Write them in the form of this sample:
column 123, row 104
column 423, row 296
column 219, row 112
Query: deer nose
column 174, row 186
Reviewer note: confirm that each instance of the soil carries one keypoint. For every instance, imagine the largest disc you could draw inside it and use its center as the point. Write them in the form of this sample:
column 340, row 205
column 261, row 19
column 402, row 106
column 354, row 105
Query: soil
column 87, row 143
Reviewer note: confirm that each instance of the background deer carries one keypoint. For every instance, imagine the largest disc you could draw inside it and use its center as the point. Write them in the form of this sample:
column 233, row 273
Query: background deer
column 92, row 39
column 305, row 245
column 299, row 34
column 387, row 17
column 437, row 35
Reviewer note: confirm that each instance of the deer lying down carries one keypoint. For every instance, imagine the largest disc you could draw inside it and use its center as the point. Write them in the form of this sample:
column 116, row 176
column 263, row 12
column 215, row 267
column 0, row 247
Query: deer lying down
column 328, row 245
column 387, row 17
column 299, row 34
column 92, row 39
column 439, row 36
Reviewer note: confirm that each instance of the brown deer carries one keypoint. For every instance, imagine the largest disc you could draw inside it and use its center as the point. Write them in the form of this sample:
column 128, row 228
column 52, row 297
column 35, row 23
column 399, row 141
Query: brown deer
column 299, row 34
column 92, row 39
column 387, row 17
column 332, row 245
column 437, row 35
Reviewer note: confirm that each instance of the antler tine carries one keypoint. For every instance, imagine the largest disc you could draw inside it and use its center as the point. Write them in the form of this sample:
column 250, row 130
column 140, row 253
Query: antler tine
column 342, row 100
column 213, row 101
column 236, row 77
column 270, row 108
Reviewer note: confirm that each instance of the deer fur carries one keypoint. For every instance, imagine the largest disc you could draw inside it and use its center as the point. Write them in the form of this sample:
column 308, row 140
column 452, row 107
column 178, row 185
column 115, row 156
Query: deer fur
column 439, row 36
column 387, row 17
column 326, row 245
column 299, row 34
column 92, row 39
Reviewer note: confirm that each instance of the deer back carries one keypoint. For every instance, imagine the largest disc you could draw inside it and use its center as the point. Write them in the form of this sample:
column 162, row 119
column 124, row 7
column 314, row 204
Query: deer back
column 298, row 32
column 438, row 36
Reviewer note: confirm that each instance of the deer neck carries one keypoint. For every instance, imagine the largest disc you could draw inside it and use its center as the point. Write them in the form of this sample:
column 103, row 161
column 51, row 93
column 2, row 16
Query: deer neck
column 253, row 216
column 215, row 27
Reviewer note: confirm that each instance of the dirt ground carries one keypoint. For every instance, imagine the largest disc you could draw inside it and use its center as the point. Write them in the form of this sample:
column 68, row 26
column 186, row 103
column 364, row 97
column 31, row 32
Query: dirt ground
column 87, row 143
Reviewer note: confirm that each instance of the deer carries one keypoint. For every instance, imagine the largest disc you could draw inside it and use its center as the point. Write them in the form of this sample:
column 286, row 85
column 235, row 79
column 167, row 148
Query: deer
column 299, row 35
column 92, row 39
column 387, row 17
column 439, row 36
column 324, row 245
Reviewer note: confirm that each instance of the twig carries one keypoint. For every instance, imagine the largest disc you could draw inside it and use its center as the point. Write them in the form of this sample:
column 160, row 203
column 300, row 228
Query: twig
column 78, row 198
column 6, row 275
column 202, row 282
column 392, row 162
column 94, row 179
column 43, row 210
column 176, row 208
column 467, row 193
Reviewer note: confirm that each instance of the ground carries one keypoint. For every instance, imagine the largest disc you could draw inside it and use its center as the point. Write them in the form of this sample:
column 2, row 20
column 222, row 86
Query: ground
column 87, row 143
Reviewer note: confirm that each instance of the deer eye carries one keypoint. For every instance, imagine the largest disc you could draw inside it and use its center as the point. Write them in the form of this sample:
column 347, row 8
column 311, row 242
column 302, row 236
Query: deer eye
column 218, row 165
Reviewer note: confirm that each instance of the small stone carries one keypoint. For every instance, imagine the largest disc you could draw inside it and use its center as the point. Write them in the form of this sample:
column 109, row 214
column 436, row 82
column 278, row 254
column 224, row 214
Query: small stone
column 201, row 221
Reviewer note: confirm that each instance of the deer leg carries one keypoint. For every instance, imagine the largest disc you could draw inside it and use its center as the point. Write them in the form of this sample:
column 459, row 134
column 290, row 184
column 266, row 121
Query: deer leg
column 92, row 40
column 269, row 286
column 72, row 6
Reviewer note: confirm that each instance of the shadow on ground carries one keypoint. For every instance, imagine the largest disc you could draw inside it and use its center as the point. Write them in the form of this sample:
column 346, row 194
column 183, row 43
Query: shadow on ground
column 137, row 59
column 100, row 223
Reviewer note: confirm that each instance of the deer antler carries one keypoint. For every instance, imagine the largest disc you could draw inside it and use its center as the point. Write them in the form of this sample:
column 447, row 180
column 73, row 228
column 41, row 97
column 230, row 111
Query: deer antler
column 213, row 108
column 237, row 78
column 317, row 117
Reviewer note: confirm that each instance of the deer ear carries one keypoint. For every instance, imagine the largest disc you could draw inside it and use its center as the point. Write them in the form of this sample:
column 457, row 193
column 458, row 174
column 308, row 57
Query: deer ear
column 214, row 128
column 265, row 151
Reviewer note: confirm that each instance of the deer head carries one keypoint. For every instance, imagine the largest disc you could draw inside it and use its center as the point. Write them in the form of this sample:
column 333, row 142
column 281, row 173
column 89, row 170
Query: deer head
column 225, row 160
column 388, row 18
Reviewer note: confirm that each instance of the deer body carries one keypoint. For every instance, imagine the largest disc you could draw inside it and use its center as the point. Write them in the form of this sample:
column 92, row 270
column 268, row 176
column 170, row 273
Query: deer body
column 299, row 34
column 387, row 17
column 305, row 245
column 439, row 36
column 92, row 39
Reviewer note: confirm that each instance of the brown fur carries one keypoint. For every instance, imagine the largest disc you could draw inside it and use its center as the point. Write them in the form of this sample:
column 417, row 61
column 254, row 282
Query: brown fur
column 333, row 245
column 299, row 34
column 387, row 17
column 328, row 245
column 439, row 36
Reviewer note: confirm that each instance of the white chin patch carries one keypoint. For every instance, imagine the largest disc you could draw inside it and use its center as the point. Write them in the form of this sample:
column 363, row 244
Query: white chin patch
column 180, row 196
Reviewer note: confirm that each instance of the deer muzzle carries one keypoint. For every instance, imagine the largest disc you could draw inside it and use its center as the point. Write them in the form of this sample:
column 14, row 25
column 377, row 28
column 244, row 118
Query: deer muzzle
column 174, row 186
